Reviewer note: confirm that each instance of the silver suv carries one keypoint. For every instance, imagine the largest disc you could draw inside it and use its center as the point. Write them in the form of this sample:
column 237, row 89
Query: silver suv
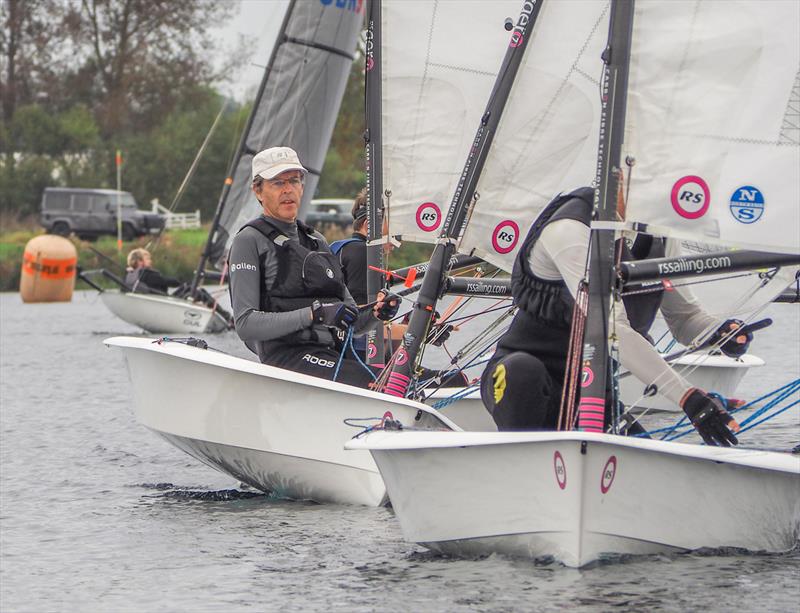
column 90, row 213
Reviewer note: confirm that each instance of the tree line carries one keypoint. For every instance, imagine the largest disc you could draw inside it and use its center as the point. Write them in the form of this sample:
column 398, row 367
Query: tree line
column 81, row 79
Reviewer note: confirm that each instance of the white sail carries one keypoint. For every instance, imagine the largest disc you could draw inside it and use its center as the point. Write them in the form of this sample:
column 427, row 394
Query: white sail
column 546, row 142
column 440, row 61
column 712, row 122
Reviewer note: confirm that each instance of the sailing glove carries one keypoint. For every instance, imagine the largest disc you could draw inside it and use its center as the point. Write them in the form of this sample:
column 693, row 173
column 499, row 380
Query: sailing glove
column 391, row 304
column 334, row 314
column 731, row 346
column 709, row 417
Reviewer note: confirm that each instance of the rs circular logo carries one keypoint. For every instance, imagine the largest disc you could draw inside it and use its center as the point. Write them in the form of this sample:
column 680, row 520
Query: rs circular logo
column 372, row 351
column 587, row 376
column 428, row 216
column 370, row 63
column 747, row 204
column 609, row 472
column 516, row 40
column 505, row 236
column 402, row 357
column 690, row 197
column 560, row 469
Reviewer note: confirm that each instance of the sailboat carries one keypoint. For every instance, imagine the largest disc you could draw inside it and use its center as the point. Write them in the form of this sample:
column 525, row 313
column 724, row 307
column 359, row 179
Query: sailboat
column 296, row 105
column 255, row 422
column 695, row 100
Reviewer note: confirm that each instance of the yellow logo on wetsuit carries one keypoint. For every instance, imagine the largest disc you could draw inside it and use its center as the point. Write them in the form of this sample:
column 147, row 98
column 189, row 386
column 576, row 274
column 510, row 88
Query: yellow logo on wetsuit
column 499, row 378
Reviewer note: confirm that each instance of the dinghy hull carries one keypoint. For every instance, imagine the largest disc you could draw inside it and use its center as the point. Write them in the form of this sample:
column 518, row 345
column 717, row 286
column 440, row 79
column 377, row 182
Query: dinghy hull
column 273, row 429
column 163, row 314
column 581, row 497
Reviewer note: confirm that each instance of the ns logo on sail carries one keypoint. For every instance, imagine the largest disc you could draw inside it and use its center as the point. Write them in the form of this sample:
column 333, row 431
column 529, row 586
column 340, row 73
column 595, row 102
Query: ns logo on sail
column 747, row 204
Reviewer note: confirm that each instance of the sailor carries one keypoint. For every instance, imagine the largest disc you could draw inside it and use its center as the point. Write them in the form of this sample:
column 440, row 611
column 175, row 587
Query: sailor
column 290, row 303
column 142, row 278
column 352, row 253
column 522, row 384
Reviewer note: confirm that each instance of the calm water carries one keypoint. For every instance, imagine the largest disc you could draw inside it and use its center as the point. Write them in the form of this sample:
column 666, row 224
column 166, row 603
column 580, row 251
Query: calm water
column 98, row 514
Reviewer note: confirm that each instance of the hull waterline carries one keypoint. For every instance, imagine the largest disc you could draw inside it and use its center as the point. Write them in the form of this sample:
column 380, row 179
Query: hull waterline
column 581, row 497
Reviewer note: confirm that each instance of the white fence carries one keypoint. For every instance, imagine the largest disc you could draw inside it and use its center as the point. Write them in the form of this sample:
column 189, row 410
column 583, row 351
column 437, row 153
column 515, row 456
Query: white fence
column 177, row 220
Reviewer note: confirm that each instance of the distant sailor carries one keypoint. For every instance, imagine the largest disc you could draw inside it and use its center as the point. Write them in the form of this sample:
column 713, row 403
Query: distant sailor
column 290, row 303
column 142, row 278
column 522, row 384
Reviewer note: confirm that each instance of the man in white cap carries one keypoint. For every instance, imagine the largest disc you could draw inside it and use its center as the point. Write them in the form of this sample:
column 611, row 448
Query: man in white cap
column 290, row 303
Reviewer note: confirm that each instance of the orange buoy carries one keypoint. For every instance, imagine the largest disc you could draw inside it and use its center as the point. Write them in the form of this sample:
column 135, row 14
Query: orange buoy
column 48, row 269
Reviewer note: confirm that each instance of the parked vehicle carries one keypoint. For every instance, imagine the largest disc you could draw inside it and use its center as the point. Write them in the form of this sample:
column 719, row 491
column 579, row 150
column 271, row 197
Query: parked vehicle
column 90, row 213
column 330, row 212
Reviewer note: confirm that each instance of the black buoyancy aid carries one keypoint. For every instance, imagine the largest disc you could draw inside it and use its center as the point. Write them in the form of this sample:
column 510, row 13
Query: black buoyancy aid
column 542, row 324
column 305, row 274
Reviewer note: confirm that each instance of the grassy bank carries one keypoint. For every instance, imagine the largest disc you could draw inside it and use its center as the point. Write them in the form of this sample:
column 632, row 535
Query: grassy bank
column 176, row 254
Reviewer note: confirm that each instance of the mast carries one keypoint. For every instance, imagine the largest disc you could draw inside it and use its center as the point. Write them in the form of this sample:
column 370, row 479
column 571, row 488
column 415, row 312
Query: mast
column 240, row 150
column 402, row 367
column 596, row 362
column 373, row 142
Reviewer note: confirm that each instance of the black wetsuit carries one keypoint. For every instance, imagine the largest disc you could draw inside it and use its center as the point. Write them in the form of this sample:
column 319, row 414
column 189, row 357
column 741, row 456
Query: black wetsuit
column 277, row 271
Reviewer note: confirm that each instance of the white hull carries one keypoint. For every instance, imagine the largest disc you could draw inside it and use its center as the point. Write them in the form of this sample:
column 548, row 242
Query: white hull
column 714, row 373
column 579, row 497
column 163, row 314
column 273, row 429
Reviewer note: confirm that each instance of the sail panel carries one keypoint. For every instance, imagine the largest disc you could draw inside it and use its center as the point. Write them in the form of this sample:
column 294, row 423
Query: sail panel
column 546, row 142
column 299, row 104
column 440, row 62
column 711, row 103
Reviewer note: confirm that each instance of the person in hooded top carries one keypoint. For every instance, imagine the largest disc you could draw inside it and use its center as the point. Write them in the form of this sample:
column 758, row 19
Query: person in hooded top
column 291, row 305
column 522, row 384
column 142, row 278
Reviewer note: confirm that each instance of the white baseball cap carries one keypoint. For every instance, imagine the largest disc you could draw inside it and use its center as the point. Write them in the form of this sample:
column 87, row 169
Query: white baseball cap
column 271, row 162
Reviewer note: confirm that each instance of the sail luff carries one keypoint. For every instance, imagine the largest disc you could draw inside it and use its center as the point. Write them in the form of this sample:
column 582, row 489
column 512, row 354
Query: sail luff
column 422, row 313
column 596, row 361
column 374, row 161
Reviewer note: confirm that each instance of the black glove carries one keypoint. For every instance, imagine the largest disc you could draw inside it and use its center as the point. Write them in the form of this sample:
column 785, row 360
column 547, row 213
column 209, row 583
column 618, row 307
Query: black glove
column 731, row 347
column 334, row 314
column 391, row 304
column 710, row 418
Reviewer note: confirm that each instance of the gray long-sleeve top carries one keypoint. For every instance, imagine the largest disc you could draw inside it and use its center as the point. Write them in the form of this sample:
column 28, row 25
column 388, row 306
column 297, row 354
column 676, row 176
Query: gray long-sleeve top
column 254, row 325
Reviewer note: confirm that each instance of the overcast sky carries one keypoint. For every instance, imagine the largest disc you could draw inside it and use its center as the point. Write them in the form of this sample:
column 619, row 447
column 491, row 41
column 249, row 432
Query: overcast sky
column 257, row 22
